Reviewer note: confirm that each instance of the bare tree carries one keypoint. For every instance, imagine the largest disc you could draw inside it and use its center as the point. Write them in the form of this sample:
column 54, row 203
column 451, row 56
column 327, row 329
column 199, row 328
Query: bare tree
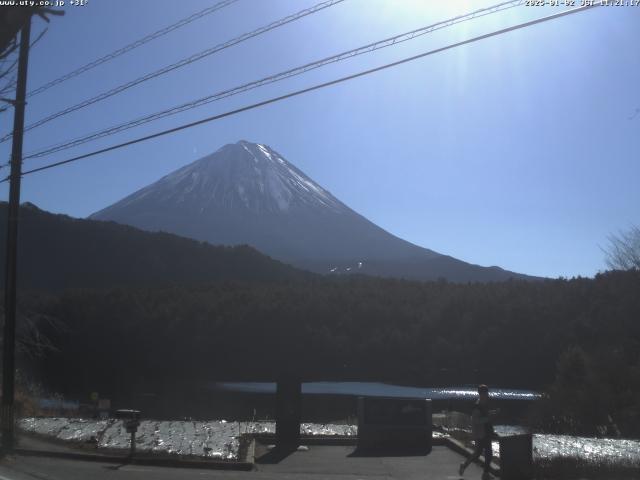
column 31, row 341
column 623, row 251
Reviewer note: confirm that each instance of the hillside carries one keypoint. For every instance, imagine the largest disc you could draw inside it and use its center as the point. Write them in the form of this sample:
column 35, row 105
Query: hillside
column 58, row 252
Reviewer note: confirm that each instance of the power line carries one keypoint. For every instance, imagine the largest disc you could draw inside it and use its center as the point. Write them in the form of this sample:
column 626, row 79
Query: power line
column 181, row 63
column 131, row 46
column 274, row 78
column 309, row 89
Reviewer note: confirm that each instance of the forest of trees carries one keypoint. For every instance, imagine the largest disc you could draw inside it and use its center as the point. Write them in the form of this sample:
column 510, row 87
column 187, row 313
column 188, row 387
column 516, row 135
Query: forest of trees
column 577, row 339
column 159, row 313
column 58, row 252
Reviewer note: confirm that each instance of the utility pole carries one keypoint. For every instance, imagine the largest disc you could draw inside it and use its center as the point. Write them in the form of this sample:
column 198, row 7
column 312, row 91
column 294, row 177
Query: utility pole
column 7, row 422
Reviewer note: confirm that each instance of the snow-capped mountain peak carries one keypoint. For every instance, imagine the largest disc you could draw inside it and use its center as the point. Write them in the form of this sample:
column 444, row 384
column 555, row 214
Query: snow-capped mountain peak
column 244, row 175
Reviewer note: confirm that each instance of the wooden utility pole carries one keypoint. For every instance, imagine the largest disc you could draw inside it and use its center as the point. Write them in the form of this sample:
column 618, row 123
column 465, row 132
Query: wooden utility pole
column 7, row 421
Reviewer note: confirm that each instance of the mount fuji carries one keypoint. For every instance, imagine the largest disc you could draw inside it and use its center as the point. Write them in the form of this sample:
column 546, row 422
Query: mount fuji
column 247, row 193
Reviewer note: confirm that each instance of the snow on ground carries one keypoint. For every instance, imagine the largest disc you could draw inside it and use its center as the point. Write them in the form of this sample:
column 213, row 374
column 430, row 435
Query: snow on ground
column 216, row 439
column 219, row 439
column 590, row 450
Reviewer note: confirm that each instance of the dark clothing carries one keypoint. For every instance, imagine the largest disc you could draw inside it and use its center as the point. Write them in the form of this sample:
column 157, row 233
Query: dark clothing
column 480, row 422
column 482, row 447
column 483, row 433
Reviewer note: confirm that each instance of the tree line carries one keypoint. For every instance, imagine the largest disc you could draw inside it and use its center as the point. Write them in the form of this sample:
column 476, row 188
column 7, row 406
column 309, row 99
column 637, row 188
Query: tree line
column 578, row 339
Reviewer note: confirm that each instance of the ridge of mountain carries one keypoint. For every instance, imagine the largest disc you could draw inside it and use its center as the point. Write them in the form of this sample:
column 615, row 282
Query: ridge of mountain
column 59, row 252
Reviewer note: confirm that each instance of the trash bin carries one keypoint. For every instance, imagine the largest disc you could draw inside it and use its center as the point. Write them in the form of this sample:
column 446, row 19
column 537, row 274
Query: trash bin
column 516, row 457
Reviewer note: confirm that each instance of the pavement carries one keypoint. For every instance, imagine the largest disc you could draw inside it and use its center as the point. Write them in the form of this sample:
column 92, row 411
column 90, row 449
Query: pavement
column 32, row 442
column 314, row 462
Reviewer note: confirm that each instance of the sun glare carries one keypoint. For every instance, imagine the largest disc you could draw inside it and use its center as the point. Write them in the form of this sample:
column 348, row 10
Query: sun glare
column 437, row 8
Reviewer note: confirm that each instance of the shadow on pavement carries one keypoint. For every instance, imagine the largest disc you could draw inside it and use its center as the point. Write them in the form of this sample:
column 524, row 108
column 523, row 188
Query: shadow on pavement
column 275, row 455
column 117, row 467
column 388, row 452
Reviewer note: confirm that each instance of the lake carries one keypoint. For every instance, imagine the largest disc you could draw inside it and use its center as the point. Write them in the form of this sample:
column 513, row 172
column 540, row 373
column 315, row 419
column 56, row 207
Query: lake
column 373, row 389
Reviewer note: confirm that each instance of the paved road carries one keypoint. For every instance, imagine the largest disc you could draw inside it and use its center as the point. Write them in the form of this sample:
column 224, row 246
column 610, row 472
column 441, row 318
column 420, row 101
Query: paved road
column 320, row 462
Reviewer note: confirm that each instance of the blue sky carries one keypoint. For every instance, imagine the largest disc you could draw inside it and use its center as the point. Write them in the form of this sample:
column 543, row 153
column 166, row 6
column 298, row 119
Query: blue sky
column 520, row 151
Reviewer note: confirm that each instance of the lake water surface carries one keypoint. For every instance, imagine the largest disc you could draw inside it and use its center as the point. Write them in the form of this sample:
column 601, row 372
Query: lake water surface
column 372, row 389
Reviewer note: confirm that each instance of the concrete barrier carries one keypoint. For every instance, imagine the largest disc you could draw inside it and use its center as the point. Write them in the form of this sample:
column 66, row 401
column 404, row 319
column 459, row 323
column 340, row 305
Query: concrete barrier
column 392, row 423
column 516, row 457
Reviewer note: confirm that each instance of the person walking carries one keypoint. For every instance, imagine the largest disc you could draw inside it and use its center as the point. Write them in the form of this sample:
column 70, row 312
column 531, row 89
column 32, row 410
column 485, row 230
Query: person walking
column 482, row 432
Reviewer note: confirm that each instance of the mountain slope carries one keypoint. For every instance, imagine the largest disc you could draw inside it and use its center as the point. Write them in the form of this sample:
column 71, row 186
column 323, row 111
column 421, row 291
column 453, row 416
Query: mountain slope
column 57, row 252
column 248, row 193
